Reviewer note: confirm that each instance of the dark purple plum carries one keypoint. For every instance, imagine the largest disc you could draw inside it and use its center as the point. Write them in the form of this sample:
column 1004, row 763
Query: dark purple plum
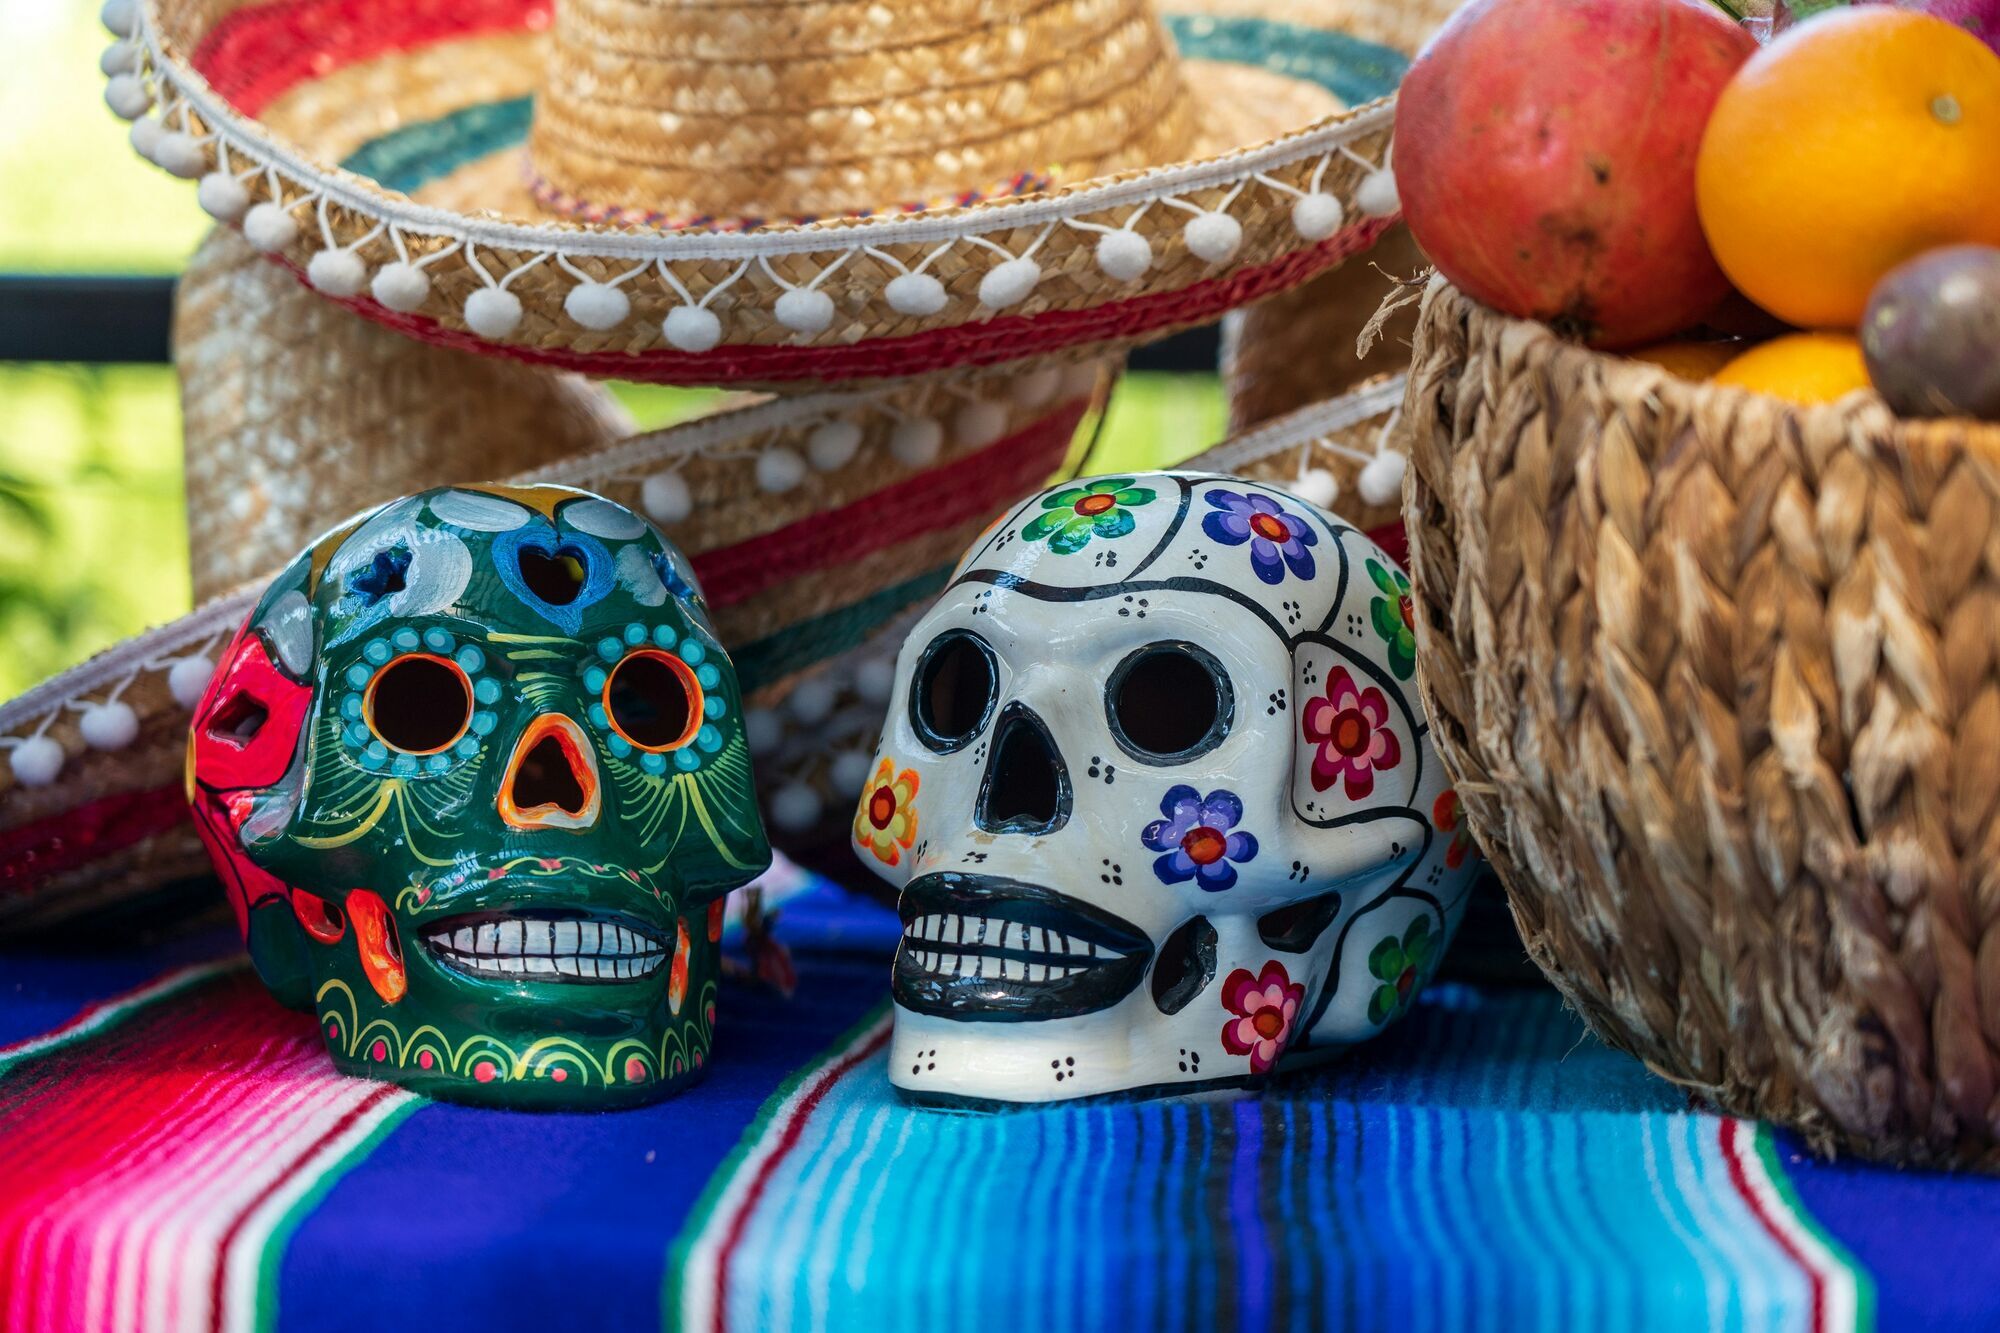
column 1931, row 334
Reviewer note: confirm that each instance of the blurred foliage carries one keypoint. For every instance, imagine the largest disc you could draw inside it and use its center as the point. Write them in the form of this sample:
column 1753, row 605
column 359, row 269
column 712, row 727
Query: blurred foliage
column 93, row 538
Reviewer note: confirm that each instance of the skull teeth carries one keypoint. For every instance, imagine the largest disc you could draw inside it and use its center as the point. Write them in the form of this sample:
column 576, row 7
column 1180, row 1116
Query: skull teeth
column 533, row 947
column 949, row 944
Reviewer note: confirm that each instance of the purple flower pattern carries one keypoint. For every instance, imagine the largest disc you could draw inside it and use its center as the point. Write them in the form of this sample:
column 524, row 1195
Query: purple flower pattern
column 1278, row 540
column 1196, row 840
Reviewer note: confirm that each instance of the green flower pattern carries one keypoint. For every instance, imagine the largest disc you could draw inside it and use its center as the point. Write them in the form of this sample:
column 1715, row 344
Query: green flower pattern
column 1394, row 617
column 1072, row 516
column 1402, row 967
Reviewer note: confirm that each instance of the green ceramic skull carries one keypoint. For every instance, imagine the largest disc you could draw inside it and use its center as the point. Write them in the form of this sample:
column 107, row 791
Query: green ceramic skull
column 474, row 774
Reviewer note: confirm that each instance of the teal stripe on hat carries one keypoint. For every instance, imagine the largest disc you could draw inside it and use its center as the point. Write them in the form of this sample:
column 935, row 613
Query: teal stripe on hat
column 412, row 156
column 1350, row 68
column 798, row 646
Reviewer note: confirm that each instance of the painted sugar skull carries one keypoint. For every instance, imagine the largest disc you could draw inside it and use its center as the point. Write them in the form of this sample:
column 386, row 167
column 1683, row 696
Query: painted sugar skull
column 1159, row 797
column 474, row 774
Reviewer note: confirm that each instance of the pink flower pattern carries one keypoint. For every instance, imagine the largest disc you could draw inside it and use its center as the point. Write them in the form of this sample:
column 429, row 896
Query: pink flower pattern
column 1348, row 727
column 1263, row 1011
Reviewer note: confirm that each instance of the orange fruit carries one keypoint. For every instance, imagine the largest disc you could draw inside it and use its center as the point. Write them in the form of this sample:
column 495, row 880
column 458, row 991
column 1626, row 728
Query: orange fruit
column 1689, row 360
column 1856, row 141
column 1800, row 367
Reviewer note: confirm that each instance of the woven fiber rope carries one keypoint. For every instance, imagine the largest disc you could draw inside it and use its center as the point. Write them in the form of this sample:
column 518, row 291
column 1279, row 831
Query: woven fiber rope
column 1719, row 681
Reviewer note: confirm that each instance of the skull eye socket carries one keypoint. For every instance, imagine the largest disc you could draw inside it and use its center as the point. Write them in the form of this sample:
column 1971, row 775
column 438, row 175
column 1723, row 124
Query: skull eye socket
column 419, row 703
column 654, row 701
column 1168, row 703
column 954, row 689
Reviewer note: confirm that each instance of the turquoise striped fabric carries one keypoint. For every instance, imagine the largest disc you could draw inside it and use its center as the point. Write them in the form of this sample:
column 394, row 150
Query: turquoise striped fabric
column 1485, row 1167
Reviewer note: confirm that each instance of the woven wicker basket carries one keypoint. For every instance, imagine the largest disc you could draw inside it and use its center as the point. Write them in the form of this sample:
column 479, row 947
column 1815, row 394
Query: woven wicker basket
column 1720, row 683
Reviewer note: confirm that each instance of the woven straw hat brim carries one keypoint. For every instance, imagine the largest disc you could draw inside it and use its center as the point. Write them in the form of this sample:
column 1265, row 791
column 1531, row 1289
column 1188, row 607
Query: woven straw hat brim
column 414, row 231
column 797, row 582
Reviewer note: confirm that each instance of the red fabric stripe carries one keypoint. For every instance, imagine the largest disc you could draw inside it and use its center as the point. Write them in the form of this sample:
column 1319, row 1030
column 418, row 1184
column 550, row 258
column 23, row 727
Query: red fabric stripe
column 311, row 1153
column 1728, row 1135
column 33, row 852
column 257, row 54
column 978, row 343
column 973, row 487
column 794, row 1128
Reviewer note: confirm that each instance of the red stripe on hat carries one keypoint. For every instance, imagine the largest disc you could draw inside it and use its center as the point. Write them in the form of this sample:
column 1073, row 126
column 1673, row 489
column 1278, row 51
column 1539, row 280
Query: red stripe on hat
column 983, row 342
column 931, row 501
column 31, row 853
column 258, row 53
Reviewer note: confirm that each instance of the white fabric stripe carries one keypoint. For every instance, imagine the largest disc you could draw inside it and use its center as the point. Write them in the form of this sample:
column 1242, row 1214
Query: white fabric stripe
column 1842, row 1307
column 244, row 1263
column 698, row 1275
column 100, row 1016
column 1714, row 1284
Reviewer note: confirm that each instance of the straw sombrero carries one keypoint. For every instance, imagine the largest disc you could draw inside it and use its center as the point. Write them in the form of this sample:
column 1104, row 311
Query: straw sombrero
column 784, row 191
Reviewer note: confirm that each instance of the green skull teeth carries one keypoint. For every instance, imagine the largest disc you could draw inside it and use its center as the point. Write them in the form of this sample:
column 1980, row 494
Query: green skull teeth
column 566, row 950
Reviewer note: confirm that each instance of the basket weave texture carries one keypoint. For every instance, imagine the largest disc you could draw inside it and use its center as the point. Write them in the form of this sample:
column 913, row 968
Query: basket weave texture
column 1719, row 680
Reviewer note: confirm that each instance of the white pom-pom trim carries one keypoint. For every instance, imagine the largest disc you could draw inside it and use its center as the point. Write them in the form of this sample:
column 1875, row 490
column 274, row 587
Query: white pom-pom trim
column 36, row 762
column 127, row 96
column 875, row 679
column 812, row 700
column 597, row 306
column 916, row 442
column 222, row 197
column 1377, row 196
column 109, row 726
column 119, row 58
column 1036, row 387
column 337, row 273
column 187, row 680
column 1213, row 237
column 1381, row 481
column 804, row 311
column 849, row 772
column 493, row 312
column 665, row 497
column 779, row 470
column 1124, row 255
column 979, row 424
column 1317, row 216
column 915, row 294
column 401, row 287
column 145, row 136
column 689, row 328
column 269, row 227
column 178, row 154
column 1316, row 486
column 795, row 807
column 1009, row 284
column 763, row 730
column 120, row 16
column 832, row 445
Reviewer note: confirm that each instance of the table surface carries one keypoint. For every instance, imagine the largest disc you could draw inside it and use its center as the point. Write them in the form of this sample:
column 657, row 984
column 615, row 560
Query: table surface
column 175, row 1152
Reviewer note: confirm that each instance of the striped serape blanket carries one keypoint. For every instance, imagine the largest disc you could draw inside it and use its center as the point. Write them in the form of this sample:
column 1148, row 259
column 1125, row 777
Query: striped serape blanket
column 175, row 1153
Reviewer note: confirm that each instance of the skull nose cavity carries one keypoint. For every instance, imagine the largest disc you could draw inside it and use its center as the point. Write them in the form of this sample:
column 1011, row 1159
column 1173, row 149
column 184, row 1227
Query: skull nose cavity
column 1026, row 788
column 552, row 779
column 1185, row 966
column 556, row 577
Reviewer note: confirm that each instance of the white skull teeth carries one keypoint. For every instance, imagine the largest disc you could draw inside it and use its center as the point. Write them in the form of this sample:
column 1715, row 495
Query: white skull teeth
column 947, row 944
column 534, row 947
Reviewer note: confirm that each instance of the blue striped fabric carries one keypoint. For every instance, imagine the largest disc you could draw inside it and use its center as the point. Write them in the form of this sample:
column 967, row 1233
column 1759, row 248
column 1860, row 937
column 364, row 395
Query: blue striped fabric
column 1487, row 1167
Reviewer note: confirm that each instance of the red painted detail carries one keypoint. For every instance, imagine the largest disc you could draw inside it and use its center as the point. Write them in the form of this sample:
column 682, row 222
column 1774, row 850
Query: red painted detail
column 227, row 768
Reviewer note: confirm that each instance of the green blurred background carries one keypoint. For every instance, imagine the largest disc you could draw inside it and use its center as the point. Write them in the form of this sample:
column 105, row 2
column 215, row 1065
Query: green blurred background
column 93, row 544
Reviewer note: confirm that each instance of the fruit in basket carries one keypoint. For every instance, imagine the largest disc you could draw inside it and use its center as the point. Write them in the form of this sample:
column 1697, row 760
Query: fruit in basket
column 1688, row 359
column 1545, row 155
column 1931, row 334
column 1857, row 140
column 1803, row 368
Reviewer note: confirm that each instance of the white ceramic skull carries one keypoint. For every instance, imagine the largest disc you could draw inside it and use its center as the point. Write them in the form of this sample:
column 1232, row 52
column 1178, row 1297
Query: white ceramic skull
column 1160, row 798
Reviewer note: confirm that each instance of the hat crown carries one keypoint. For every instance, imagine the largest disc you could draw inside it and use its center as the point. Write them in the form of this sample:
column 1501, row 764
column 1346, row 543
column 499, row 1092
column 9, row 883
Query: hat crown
column 661, row 112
